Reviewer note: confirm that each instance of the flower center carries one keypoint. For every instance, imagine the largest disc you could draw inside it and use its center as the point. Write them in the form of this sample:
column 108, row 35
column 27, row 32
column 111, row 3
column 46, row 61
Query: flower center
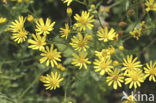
column 81, row 60
column 103, row 66
column 22, row 34
column 66, row 32
column 134, row 77
column 50, row 55
column 83, row 21
column 136, row 34
column 44, row 28
column 151, row 6
column 153, row 71
column 39, row 43
column 106, row 36
column 130, row 66
column 81, row 44
column 104, row 53
column 115, row 77
column 53, row 82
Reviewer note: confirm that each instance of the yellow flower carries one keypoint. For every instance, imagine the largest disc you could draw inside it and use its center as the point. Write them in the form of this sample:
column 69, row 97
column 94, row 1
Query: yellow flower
column 106, row 35
column 151, row 5
column 102, row 65
column 80, row 60
column 52, row 81
column 2, row 20
column 17, row 25
column 84, row 21
column 134, row 78
column 65, row 31
column 150, row 71
column 50, row 55
column 121, row 48
column 44, row 28
column 131, row 64
column 69, row 11
column 115, row 78
column 136, row 33
column 103, row 54
column 30, row 18
column 130, row 99
column 67, row 1
column 143, row 25
column 115, row 63
column 79, row 43
column 38, row 42
column 20, row 36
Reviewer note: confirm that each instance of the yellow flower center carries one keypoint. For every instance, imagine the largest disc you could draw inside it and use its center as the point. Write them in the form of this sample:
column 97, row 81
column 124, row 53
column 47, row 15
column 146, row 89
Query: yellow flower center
column 130, row 66
column 53, row 82
column 39, row 43
column 104, row 53
column 22, row 34
column 106, row 36
column 134, row 77
column 50, row 55
column 81, row 60
column 83, row 21
column 103, row 65
column 66, row 32
column 153, row 71
column 115, row 77
column 81, row 43
column 44, row 28
column 151, row 6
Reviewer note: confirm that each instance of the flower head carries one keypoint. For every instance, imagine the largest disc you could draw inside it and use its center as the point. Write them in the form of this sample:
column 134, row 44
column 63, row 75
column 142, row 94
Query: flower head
column 79, row 43
column 20, row 36
column 136, row 33
column 17, row 25
column 30, row 18
column 131, row 64
column 84, row 21
column 106, row 35
column 134, row 78
column 151, row 5
column 65, row 31
column 80, row 60
column 2, row 20
column 103, row 54
column 38, row 42
column 115, row 78
column 150, row 71
column 131, row 99
column 103, row 65
column 50, row 55
column 52, row 81
column 44, row 28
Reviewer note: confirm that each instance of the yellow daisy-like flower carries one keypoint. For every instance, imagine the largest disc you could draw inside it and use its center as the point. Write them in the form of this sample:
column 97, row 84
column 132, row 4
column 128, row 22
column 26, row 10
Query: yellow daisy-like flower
column 106, row 35
column 84, row 21
column 150, row 71
column 115, row 78
column 17, row 25
column 103, row 54
column 65, row 31
column 50, row 55
column 112, row 50
column 80, row 60
column 143, row 25
column 130, row 99
column 134, row 78
column 67, row 1
column 2, row 20
column 79, row 43
column 30, row 18
column 44, row 28
column 131, row 64
column 52, row 81
column 136, row 33
column 38, row 42
column 151, row 5
column 103, row 65
column 20, row 36
column 61, row 67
